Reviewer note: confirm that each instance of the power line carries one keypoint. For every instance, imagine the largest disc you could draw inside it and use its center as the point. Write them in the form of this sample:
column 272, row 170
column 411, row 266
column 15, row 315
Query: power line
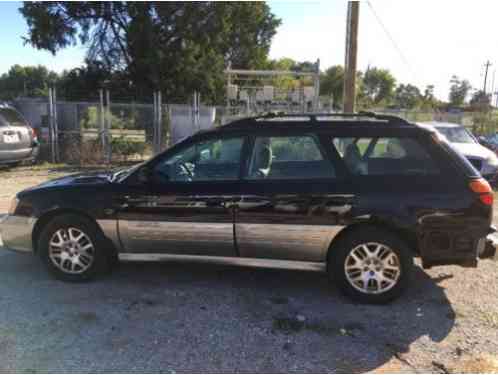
column 393, row 41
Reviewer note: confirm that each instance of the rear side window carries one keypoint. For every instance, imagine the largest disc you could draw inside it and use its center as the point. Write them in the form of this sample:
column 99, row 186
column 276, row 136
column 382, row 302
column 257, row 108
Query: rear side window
column 293, row 157
column 385, row 156
column 9, row 116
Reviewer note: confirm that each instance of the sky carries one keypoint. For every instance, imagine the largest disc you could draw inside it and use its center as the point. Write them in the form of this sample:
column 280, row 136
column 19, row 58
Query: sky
column 436, row 38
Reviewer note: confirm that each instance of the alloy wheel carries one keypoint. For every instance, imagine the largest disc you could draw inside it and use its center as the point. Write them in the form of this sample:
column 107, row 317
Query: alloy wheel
column 372, row 268
column 71, row 250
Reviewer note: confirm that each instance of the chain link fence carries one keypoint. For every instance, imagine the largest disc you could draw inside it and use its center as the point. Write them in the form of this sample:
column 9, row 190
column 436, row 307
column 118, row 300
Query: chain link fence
column 102, row 131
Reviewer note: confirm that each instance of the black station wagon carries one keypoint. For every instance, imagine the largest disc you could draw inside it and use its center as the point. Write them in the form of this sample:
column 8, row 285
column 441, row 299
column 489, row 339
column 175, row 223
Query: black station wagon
column 355, row 195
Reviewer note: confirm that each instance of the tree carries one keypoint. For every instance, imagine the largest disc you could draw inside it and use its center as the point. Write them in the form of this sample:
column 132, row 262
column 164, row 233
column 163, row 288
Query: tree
column 480, row 99
column 377, row 86
column 29, row 81
column 459, row 91
column 429, row 101
column 178, row 47
column 332, row 83
column 407, row 96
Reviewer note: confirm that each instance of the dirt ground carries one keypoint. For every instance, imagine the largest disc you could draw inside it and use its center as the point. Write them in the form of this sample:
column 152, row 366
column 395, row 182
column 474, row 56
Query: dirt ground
column 187, row 317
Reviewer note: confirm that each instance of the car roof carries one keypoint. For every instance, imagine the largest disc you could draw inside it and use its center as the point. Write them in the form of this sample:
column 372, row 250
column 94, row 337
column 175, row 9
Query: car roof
column 362, row 121
column 440, row 124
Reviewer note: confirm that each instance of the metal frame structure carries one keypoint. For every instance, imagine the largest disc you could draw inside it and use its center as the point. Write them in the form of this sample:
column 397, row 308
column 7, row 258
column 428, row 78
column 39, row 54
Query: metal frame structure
column 255, row 80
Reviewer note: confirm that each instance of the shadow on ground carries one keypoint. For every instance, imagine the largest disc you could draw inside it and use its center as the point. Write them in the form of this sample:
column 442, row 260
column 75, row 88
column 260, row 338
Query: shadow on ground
column 188, row 317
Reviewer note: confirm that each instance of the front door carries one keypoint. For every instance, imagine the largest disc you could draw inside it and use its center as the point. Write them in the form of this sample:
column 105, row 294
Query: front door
column 188, row 206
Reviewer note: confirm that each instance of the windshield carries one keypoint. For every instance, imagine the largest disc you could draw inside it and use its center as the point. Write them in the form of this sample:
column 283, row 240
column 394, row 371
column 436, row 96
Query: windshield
column 10, row 117
column 456, row 134
column 121, row 174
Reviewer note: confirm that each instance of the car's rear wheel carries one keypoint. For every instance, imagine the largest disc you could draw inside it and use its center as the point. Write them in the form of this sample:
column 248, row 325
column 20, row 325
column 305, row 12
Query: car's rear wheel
column 371, row 265
column 72, row 248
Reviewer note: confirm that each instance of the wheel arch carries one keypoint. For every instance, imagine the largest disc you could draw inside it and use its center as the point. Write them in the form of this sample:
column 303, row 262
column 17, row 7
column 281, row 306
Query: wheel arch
column 48, row 216
column 406, row 236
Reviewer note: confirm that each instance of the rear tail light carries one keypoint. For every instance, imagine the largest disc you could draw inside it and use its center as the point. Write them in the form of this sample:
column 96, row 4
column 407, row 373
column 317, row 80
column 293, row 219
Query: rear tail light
column 34, row 135
column 483, row 189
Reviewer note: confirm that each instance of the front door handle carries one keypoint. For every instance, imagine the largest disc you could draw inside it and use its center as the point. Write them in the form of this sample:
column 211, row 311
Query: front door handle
column 129, row 200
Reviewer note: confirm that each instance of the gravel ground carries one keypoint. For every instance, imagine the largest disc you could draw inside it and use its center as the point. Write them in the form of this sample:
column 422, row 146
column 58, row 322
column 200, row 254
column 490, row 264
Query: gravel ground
column 187, row 317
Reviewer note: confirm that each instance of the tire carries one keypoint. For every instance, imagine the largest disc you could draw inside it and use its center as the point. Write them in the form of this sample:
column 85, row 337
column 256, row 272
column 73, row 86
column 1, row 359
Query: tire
column 73, row 248
column 387, row 274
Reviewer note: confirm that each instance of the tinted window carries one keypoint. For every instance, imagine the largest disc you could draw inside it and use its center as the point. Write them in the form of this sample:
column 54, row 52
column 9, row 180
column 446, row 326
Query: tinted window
column 295, row 157
column 384, row 156
column 9, row 116
column 211, row 160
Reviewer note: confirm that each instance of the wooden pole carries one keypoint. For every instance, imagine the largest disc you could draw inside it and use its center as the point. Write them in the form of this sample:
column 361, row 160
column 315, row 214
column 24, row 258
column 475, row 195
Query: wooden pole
column 351, row 55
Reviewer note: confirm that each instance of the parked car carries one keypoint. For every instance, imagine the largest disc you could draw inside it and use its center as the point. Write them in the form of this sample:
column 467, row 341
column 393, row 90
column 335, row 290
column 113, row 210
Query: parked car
column 490, row 142
column 482, row 158
column 355, row 196
column 18, row 140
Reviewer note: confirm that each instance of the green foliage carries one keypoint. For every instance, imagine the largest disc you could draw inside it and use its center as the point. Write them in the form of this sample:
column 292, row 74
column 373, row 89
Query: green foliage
column 28, row 81
column 459, row 91
column 485, row 122
column 126, row 147
column 332, row 83
column 295, row 148
column 407, row 96
column 178, row 47
column 481, row 100
column 376, row 87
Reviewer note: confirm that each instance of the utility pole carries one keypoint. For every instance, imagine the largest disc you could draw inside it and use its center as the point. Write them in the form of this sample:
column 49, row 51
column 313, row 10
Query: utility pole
column 351, row 54
column 486, row 66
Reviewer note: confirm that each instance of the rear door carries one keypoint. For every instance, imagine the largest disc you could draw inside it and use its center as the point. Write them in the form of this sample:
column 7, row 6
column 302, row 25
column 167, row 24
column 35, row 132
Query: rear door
column 294, row 200
column 407, row 182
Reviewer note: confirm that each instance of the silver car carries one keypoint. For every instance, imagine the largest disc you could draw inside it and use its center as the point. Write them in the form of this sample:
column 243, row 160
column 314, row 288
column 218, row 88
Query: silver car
column 18, row 140
column 483, row 159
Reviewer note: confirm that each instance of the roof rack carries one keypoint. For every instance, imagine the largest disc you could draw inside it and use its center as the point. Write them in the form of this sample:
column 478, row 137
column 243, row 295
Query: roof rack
column 316, row 117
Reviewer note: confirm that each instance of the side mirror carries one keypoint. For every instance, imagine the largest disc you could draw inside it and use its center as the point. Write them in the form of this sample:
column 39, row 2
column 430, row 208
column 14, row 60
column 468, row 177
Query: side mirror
column 144, row 175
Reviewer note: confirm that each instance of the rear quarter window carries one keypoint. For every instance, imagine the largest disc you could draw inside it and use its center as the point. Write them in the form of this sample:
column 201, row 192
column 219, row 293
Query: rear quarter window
column 385, row 156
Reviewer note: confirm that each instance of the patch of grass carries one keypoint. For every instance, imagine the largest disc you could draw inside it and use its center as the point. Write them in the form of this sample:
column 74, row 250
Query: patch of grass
column 490, row 318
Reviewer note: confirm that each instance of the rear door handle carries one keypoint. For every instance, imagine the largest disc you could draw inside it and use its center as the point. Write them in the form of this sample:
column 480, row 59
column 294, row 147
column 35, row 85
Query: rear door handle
column 215, row 202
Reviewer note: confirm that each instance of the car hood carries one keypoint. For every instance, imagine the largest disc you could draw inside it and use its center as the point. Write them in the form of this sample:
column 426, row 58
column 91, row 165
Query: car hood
column 473, row 150
column 93, row 178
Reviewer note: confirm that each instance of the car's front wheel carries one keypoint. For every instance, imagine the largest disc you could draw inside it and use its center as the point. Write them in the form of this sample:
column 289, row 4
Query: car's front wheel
column 72, row 248
column 371, row 265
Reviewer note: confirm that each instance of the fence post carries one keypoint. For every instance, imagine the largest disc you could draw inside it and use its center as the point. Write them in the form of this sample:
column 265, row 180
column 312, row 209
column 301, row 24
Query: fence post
column 196, row 111
column 51, row 135
column 53, row 128
column 101, row 123
column 159, row 120
column 156, row 123
column 107, row 127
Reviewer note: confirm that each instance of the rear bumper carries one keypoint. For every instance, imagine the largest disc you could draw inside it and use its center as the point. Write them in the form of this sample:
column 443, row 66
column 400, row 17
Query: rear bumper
column 14, row 156
column 463, row 249
column 489, row 249
column 16, row 232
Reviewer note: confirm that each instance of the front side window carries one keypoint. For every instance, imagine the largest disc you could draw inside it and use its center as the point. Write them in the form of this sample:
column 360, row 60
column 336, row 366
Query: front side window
column 293, row 157
column 384, row 156
column 211, row 160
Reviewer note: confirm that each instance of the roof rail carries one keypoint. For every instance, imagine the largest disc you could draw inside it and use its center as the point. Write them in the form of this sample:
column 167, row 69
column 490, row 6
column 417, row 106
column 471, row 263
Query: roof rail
column 313, row 117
